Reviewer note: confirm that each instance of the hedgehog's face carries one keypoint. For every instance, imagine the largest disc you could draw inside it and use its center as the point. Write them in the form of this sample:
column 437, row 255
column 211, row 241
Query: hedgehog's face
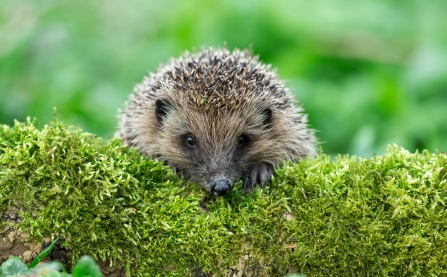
column 213, row 148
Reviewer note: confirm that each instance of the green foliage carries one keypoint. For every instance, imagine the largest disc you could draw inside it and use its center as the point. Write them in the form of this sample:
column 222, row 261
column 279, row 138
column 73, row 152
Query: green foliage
column 85, row 267
column 43, row 254
column 13, row 266
column 369, row 73
column 384, row 216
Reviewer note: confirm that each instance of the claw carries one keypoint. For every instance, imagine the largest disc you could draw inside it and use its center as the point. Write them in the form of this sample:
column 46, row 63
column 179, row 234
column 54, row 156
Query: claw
column 254, row 179
column 246, row 182
column 258, row 174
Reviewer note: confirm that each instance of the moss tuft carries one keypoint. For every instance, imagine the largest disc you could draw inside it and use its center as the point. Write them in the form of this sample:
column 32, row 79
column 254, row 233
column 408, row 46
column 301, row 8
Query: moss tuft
column 383, row 216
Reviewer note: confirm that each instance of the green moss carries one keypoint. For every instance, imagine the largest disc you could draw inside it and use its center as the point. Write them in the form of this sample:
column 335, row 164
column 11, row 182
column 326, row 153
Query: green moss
column 384, row 216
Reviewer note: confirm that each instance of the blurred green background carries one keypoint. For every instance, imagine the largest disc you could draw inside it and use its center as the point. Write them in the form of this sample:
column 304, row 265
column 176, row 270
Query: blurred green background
column 369, row 73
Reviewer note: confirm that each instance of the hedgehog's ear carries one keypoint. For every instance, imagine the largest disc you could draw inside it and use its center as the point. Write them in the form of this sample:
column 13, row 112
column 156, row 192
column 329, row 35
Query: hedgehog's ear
column 161, row 109
column 267, row 113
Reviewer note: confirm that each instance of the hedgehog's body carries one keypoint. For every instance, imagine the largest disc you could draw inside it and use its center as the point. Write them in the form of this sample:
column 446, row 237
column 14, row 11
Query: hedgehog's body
column 217, row 116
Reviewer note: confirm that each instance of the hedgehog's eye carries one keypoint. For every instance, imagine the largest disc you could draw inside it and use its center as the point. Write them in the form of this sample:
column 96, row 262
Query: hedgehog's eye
column 190, row 141
column 242, row 141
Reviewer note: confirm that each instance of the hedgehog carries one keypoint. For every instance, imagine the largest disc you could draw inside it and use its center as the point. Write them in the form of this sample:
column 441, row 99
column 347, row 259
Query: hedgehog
column 217, row 116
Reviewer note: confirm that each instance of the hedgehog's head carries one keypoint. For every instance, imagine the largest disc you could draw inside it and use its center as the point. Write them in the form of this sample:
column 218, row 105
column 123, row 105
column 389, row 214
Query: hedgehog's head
column 214, row 146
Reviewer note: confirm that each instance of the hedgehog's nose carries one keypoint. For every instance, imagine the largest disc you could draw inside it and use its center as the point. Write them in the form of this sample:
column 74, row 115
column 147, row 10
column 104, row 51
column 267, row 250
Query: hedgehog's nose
column 220, row 187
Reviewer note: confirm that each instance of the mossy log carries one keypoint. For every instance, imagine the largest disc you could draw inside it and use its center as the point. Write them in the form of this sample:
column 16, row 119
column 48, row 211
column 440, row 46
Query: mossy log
column 384, row 216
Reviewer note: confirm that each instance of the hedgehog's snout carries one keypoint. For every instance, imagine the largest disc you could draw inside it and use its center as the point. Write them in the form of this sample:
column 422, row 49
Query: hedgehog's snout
column 220, row 187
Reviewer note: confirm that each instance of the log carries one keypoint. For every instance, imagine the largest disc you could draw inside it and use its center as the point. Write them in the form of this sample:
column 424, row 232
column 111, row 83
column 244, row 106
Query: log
column 345, row 216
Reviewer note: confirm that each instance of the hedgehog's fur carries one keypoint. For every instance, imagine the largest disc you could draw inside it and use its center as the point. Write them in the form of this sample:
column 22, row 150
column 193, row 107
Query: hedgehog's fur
column 216, row 116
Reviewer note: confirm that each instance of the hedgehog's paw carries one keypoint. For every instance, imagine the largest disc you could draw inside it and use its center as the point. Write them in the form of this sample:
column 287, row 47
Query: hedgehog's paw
column 258, row 174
